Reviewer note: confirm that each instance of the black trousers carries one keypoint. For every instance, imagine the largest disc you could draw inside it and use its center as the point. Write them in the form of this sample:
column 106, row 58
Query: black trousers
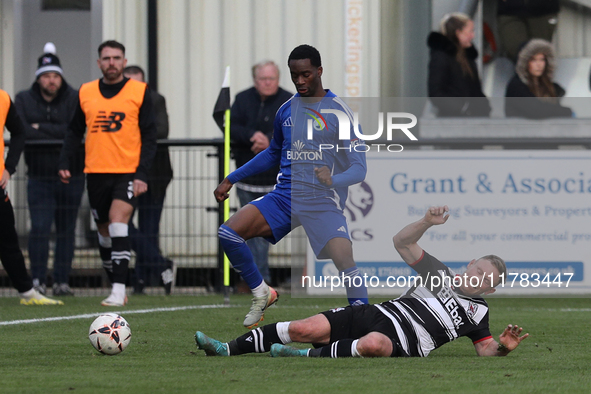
column 10, row 253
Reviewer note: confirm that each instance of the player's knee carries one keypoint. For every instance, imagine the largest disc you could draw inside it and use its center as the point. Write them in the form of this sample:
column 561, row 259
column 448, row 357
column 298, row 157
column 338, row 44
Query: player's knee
column 227, row 235
column 302, row 331
column 297, row 330
column 374, row 345
column 118, row 230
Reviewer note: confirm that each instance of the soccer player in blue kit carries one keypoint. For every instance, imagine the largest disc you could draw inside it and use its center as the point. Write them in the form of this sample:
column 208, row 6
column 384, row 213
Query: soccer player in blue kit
column 311, row 189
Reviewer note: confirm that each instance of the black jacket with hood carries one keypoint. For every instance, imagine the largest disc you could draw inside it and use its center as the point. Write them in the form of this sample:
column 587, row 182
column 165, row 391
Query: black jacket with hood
column 453, row 92
column 53, row 118
column 520, row 101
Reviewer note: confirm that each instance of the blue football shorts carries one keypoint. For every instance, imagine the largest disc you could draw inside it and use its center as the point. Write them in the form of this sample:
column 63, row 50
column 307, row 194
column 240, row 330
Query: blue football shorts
column 322, row 219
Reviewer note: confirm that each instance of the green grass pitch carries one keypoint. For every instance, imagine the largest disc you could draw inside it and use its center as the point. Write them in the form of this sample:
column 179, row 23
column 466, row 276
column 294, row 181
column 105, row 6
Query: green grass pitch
column 56, row 356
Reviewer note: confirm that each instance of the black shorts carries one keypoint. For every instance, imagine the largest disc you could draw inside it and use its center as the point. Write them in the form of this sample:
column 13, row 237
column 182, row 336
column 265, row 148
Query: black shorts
column 104, row 188
column 354, row 322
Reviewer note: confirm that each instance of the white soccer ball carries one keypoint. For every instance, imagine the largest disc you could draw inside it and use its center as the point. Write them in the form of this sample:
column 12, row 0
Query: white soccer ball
column 109, row 334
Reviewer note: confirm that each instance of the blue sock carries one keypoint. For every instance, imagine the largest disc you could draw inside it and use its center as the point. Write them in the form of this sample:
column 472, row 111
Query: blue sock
column 356, row 289
column 240, row 256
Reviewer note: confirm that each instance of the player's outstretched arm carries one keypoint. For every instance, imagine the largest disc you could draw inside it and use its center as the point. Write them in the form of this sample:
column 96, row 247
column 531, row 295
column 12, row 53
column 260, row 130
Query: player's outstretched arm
column 508, row 341
column 406, row 240
column 221, row 192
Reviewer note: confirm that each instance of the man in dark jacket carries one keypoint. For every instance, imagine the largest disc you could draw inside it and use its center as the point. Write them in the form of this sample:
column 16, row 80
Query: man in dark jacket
column 46, row 110
column 251, row 129
column 145, row 239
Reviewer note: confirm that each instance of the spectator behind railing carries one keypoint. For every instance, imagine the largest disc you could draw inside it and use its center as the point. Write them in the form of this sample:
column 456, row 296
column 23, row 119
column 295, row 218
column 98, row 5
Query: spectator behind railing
column 533, row 80
column 251, row 130
column 145, row 239
column 519, row 21
column 46, row 110
column 454, row 84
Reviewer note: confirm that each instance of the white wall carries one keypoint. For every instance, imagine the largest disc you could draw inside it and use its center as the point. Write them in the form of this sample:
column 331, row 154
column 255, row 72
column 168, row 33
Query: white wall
column 405, row 27
column 10, row 18
column 127, row 22
column 572, row 38
column 74, row 43
column 199, row 38
column 440, row 8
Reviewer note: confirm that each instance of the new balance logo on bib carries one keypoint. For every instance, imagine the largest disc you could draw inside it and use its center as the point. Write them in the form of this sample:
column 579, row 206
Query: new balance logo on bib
column 108, row 124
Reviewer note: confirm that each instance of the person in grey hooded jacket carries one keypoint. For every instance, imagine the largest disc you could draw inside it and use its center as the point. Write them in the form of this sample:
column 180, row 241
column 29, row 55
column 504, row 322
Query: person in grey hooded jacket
column 531, row 93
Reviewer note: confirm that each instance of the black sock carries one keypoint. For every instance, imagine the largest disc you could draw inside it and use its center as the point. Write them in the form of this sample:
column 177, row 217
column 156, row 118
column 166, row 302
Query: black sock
column 107, row 263
column 120, row 255
column 337, row 349
column 255, row 341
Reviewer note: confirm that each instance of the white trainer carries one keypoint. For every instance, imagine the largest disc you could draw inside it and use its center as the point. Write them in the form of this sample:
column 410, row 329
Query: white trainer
column 258, row 308
column 114, row 300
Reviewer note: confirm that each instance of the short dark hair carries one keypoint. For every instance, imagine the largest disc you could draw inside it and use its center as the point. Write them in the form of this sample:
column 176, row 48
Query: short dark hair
column 134, row 70
column 111, row 44
column 306, row 51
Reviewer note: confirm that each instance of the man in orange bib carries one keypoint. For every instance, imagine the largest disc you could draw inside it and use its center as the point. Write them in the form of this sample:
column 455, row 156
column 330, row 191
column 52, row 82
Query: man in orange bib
column 10, row 253
column 120, row 146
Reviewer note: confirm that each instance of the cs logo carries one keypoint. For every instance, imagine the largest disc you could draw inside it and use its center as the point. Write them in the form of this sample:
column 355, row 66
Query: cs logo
column 358, row 206
column 359, row 203
column 108, row 124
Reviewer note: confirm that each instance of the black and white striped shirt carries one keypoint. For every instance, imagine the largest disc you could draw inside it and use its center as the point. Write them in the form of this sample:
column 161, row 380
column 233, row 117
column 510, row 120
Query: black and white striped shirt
column 426, row 316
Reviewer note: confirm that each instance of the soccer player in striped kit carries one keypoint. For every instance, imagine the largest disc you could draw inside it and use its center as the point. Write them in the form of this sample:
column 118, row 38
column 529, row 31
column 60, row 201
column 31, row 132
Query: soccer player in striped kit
column 426, row 317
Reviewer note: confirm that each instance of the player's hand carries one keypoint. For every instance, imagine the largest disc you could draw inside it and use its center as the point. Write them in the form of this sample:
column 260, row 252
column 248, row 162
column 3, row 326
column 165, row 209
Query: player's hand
column 323, row 175
column 221, row 192
column 260, row 142
column 510, row 338
column 5, row 178
column 64, row 176
column 437, row 215
column 139, row 187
